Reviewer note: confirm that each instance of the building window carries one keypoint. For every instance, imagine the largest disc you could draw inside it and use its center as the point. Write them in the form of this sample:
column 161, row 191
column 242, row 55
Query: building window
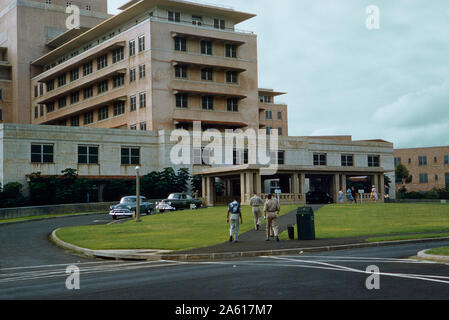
column 269, row 129
column 423, row 178
column 207, row 103
column 435, row 160
column 50, row 86
column 281, row 158
column 117, row 55
column 174, row 16
column 62, row 102
column 75, row 121
column 397, row 161
column 279, row 115
column 347, row 160
column 50, row 107
column 41, row 110
column 197, row 20
column 130, row 156
column 231, row 51
column 119, row 108
column 74, row 74
column 422, row 161
column 36, row 112
column 118, row 81
column 132, row 48
column 102, row 86
column 141, row 43
column 207, row 74
column 88, row 118
column 142, row 72
column 41, row 89
column 36, row 91
column 436, row 178
column 373, row 161
column 102, row 62
column 182, row 101
column 269, row 115
column 265, row 99
column 133, row 127
column 446, row 159
column 88, row 154
column 206, row 47
column 143, row 100
column 280, row 131
column 1, row 115
column 446, row 178
column 62, row 80
column 42, row 153
column 181, row 72
column 231, row 77
column 103, row 113
column 319, row 159
column 88, row 7
column 233, row 105
column 74, row 97
column 88, row 92
column 143, row 126
column 133, row 103
column 132, row 75
column 219, row 24
column 87, row 68
column 180, row 44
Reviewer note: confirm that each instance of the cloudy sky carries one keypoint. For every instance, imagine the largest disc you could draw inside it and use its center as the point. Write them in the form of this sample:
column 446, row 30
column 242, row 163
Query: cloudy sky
column 343, row 79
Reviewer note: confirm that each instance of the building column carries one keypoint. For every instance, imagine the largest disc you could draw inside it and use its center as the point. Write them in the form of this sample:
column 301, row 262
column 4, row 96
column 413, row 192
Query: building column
column 258, row 183
column 242, row 187
column 381, row 191
column 336, row 187
column 343, row 185
column 303, row 187
column 204, row 188
column 295, row 185
column 210, row 181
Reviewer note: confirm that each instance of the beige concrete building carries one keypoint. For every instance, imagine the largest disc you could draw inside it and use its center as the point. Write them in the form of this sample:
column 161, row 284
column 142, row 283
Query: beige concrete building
column 305, row 164
column 429, row 167
column 28, row 30
column 157, row 65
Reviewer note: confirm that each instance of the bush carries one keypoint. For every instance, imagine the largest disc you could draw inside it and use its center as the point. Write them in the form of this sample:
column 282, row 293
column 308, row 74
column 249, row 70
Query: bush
column 11, row 195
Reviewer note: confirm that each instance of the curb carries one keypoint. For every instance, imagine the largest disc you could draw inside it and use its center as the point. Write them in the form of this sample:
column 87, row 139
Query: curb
column 147, row 255
column 430, row 257
column 156, row 255
column 50, row 218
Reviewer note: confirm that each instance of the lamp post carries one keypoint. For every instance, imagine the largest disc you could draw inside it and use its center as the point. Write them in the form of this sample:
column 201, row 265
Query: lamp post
column 138, row 194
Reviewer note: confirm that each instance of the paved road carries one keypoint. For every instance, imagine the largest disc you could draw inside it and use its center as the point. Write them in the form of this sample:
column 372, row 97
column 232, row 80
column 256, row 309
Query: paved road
column 31, row 267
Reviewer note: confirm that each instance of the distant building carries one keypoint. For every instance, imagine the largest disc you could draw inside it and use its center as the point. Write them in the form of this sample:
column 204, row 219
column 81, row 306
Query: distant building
column 429, row 167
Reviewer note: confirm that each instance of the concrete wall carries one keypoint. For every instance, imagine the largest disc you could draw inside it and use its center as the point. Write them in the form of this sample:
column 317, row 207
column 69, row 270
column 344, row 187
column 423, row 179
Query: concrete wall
column 13, row 213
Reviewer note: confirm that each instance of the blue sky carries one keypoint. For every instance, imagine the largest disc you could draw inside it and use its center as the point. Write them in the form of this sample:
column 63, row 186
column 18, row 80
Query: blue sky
column 343, row 79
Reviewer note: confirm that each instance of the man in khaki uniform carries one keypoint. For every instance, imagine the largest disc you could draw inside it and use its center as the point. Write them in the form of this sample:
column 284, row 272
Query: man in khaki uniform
column 255, row 203
column 271, row 212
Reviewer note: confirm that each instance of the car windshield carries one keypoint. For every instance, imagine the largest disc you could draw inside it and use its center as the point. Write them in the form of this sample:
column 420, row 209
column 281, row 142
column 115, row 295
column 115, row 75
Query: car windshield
column 174, row 197
column 128, row 200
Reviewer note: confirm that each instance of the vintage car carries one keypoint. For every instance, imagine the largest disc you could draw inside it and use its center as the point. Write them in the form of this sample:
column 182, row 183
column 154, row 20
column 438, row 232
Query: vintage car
column 178, row 201
column 318, row 197
column 127, row 207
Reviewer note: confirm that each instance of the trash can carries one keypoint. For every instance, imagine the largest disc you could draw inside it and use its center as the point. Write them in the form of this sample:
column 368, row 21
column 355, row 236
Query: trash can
column 291, row 232
column 305, row 223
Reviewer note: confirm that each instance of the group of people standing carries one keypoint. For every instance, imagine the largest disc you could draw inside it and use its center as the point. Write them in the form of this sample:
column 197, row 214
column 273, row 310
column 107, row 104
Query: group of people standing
column 351, row 195
column 271, row 209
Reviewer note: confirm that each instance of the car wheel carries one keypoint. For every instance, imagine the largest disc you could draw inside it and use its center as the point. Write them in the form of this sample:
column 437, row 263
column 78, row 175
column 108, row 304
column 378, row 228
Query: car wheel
column 114, row 217
column 161, row 211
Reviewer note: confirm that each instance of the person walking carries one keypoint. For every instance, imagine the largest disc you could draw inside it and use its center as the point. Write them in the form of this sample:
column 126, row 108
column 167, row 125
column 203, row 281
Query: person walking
column 255, row 203
column 354, row 195
column 374, row 195
column 271, row 212
column 340, row 196
column 234, row 218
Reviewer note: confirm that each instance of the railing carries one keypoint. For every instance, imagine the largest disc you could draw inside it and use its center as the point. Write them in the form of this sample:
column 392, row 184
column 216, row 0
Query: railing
column 200, row 24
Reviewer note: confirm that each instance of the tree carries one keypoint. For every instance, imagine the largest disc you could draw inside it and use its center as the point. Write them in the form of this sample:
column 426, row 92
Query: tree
column 402, row 173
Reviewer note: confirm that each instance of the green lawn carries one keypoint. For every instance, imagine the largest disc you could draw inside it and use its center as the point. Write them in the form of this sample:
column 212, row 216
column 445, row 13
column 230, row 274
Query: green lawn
column 339, row 221
column 439, row 251
column 181, row 230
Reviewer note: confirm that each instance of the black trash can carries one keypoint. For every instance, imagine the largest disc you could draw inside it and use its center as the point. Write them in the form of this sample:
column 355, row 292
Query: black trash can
column 305, row 223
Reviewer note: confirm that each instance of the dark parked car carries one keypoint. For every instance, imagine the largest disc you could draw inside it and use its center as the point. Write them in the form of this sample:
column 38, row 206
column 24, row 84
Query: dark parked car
column 178, row 201
column 318, row 197
column 127, row 207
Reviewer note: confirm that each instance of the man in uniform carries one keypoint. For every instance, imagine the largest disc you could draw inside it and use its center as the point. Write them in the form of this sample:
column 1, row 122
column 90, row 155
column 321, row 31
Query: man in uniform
column 271, row 212
column 236, row 216
column 255, row 203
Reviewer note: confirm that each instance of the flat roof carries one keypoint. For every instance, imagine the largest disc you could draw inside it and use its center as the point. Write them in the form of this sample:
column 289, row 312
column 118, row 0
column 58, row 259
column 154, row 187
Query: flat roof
column 133, row 9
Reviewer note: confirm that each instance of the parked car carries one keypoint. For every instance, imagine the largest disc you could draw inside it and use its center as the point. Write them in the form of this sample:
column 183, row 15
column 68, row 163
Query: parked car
column 178, row 201
column 318, row 197
column 127, row 207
